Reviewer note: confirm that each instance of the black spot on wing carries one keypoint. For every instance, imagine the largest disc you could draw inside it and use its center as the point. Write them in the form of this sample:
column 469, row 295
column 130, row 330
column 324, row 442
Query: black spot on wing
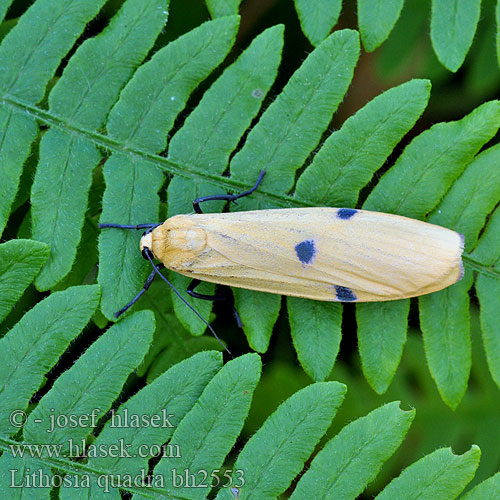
column 346, row 213
column 345, row 294
column 305, row 251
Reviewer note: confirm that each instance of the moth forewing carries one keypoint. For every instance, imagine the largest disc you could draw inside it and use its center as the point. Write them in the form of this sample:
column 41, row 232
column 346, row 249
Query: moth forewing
column 318, row 253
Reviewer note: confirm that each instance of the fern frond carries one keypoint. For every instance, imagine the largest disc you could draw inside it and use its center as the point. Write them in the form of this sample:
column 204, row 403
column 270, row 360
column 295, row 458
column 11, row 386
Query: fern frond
column 142, row 119
column 20, row 262
column 318, row 19
column 441, row 474
column 350, row 156
column 113, row 127
column 413, row 187
column 83, row 97
column 376, row 20
column 202, row 406
column 211, row 133
column 381, row 339
column 208, row 432
column 138, row 106
column 487, row 251
column 489, row 487
column 292, row 126
column 316, row 329
column 432, row 162
column 267, row 473
column 35, row 344
column 167, row 400
column 91, row 385
column 366, row 444
column 221, row 8
column 453, row 24
column 43, row 36
column 444, row 317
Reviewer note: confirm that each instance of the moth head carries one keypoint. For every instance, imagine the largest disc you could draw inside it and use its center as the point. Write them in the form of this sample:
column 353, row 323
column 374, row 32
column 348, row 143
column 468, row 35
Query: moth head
column 146, row 243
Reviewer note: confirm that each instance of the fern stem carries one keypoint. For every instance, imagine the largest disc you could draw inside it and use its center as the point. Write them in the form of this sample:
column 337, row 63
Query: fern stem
column 165, row 164
column 480, row 268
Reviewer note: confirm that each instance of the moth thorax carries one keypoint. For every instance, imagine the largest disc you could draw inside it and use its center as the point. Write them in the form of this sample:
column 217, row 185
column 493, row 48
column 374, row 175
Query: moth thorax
column 178, row 239
column 192, row 239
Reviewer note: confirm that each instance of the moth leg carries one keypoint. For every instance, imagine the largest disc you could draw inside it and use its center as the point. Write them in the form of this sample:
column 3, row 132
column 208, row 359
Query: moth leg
column 190, row 291
column 226, row 197
column 216, row 297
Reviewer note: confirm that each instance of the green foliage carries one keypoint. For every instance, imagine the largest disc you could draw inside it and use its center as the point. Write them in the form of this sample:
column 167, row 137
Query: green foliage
column 413, row 187
column 419, row 179
column 453, row 26
column 167, row 81
column 376, row 20
column 207, row 406
column 220, row 8
column 20, row 262
column 350, row 156
column 366, row 444
column 316, row 333
column 215, row 127
column 103, row 116
column 258, row 328
column 483, row 491
column 318, row 19
column 381, row 354
column 85, row 102
column 450, row 474
column 291, row 127
column 268, row 473
column 487, row 289
column 36, row 342
column 434, row 426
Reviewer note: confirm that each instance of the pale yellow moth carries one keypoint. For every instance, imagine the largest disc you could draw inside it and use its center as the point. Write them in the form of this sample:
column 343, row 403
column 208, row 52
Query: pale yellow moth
column 331, row 254
column 317, row 253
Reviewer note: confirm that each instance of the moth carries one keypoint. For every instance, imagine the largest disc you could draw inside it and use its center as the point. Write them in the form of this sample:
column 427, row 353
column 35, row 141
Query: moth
column 320, row 253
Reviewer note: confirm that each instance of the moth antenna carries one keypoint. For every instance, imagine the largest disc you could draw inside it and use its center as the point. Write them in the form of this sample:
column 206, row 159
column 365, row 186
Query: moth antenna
column 147, row 253
column 126, row 226
column 138, row 296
